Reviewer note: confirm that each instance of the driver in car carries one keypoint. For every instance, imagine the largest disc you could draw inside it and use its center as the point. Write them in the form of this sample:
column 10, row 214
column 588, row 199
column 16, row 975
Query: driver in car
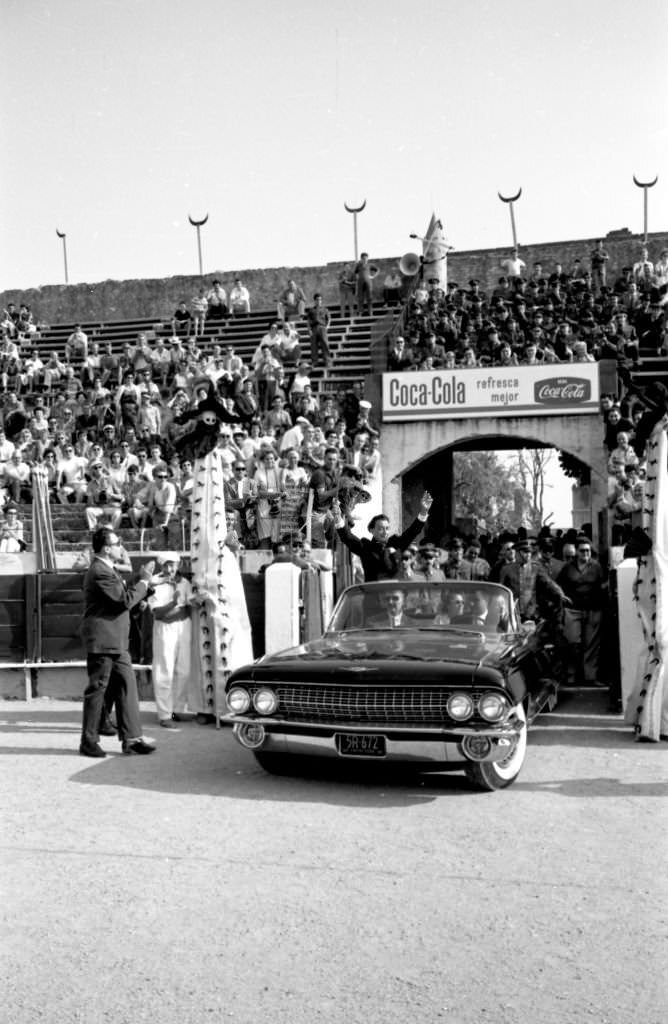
column 394, row 615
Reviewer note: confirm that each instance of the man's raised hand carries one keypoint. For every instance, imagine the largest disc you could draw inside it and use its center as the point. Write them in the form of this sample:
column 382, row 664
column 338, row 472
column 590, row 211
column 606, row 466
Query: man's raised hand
column 426, row 502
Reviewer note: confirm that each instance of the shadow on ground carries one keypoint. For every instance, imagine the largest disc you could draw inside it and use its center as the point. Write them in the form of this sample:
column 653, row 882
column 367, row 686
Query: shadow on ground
column 204, row 761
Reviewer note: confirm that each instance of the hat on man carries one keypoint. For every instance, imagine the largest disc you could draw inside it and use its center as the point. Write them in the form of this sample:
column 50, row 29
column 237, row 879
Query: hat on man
column 364, row 404
column 427, row 549
column 522, row 545
column 302, row 419
column 168, row 556
column 455, row 544
column 109, row 426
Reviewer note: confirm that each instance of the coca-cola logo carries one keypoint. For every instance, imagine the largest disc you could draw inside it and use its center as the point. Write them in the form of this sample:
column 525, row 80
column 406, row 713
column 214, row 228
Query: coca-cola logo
column 560, row 390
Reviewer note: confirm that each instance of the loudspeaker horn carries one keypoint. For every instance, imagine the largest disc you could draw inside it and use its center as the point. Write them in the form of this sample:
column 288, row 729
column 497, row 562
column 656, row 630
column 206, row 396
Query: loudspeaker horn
column 409, row 264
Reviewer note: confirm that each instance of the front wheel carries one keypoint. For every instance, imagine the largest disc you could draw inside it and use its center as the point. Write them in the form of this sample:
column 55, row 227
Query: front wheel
column 491, row 775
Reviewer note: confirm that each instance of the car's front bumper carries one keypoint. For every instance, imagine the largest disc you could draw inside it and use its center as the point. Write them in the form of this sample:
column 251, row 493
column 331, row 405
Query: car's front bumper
column 419, row 744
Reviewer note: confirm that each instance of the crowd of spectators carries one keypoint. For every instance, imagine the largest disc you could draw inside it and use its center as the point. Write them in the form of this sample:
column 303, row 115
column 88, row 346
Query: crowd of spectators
column 105, row 423
column 550, row 315
column 105, row 426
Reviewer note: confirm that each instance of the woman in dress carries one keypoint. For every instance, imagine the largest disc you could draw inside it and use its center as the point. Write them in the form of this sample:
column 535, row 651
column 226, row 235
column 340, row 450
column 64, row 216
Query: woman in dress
column 268, row 481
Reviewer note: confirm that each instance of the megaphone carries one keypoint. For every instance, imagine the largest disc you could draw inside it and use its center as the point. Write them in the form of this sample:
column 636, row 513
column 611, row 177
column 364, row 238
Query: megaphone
column 409, row 264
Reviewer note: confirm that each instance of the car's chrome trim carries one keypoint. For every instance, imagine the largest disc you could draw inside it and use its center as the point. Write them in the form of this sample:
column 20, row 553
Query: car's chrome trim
column 435, row 751
column 274, row 725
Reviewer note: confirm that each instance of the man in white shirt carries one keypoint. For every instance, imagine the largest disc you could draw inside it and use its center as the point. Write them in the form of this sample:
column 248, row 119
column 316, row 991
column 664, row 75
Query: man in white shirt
column 643, row 269
column 162, row 498
column 33, row 368
column 71, row 481
column 512, row 265
column 294, row 437
column 239, row 298
column 6, row 447
column 172, row 641
column 76, row 346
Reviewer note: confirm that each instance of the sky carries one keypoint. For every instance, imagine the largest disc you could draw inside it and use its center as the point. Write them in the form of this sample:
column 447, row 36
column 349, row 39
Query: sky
column 122, row 118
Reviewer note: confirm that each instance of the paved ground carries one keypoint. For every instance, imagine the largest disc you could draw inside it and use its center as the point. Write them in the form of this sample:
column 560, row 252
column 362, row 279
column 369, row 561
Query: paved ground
column 190, row 887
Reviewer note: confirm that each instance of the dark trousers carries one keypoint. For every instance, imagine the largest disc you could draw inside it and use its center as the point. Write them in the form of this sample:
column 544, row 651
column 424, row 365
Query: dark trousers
column 363, row 298
column 582, row 632
column 319, row 345
column 110, row 676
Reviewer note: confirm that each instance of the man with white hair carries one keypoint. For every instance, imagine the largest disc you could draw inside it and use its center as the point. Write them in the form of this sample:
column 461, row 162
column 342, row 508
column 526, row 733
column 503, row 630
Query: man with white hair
column 172, row 641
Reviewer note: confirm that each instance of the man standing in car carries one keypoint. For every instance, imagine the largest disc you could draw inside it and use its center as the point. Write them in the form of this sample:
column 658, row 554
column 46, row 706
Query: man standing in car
column 380, row 556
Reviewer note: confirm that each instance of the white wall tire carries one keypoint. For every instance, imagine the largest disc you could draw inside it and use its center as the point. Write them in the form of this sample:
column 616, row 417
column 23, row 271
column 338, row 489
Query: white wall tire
column 492, row 775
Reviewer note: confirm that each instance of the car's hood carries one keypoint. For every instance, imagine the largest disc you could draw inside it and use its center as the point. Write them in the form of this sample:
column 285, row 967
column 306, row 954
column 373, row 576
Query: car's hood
column 355, row 650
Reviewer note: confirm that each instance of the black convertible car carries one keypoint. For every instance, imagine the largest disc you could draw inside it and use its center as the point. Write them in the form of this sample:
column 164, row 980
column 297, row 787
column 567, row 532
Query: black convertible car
column 440, row 675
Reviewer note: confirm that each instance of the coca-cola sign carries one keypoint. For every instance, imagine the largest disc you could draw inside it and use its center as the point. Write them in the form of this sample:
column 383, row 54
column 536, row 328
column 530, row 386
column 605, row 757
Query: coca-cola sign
column 562, row 391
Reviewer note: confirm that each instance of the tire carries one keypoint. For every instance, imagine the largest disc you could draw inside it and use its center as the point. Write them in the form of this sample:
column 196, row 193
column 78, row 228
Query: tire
column 492, row 775
column 279, row 764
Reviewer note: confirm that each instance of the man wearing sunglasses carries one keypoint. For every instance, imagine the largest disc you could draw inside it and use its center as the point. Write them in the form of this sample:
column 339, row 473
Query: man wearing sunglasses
column 583, row 582
column 105, row 632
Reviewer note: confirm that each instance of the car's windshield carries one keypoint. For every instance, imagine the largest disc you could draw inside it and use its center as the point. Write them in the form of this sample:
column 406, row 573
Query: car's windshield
column 397, row 604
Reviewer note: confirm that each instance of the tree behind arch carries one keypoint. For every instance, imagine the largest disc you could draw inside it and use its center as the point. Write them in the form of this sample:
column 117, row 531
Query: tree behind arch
column 484, row 491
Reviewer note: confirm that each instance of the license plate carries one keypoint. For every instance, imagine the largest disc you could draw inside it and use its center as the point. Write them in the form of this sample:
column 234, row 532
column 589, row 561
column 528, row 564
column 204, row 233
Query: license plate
column 354, row 744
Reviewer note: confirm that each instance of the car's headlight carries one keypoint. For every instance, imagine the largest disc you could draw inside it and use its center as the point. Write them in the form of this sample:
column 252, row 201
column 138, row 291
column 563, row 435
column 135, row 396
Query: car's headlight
column 238, row 700
column 265, row 701
column 492, row 706
column 460, row 706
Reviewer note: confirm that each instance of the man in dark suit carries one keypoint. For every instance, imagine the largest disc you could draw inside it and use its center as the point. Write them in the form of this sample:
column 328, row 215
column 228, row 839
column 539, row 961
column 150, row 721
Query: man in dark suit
column 380, row 555
column 105, row 631
column 394, row 615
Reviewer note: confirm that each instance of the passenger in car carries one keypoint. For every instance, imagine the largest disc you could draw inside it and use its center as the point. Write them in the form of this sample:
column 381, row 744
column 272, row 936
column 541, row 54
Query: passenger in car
column 476, row 612
column 452, row 605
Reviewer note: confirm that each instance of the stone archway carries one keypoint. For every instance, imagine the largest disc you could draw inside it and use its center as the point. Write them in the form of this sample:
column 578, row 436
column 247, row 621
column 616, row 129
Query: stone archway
column 411, row 450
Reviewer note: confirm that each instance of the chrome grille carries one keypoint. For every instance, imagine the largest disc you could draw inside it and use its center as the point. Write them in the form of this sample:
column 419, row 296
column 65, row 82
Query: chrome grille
column 397, row 705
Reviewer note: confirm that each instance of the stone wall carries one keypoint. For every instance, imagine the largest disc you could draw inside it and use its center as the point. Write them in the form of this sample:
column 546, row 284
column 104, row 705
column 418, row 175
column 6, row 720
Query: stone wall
column 157, row 298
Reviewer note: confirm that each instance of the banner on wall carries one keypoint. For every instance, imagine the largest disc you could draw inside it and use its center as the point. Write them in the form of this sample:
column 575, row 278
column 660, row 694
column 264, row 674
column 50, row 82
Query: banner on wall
column 491, row 391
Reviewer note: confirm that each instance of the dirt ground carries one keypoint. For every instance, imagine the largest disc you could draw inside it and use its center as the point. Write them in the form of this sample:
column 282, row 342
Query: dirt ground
column 189, row 886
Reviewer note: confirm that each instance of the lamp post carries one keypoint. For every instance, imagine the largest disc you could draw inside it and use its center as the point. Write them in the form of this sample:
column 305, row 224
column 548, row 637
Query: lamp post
column 355, row 210
column 645, row 186
column 197, row 224
column 510, row 200
column 61, row 234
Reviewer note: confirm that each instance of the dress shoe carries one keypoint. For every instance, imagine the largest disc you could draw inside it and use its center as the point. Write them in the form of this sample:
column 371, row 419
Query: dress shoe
column 91, row 750
column 166, row 723
column 203, row 719
column 107, row 729
column 141, row 745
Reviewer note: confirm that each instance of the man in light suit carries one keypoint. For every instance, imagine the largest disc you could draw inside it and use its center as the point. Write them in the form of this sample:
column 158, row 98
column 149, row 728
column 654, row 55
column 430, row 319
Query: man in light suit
column 105, row 632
